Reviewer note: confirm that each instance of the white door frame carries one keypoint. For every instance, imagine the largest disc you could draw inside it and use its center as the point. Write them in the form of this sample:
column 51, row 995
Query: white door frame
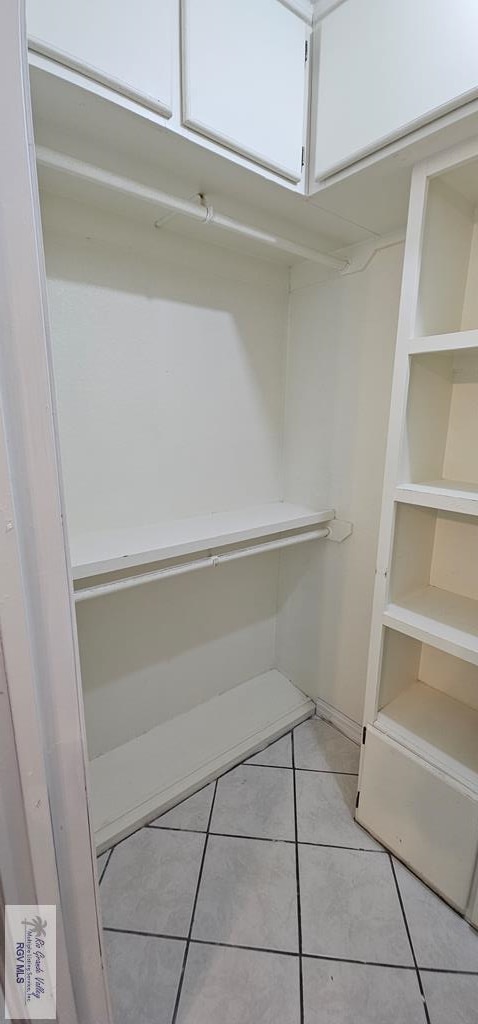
column 37, row 622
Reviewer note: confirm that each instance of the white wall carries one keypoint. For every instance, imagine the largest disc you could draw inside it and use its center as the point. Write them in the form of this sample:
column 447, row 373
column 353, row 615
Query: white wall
column 169, row 364
column 340, row 360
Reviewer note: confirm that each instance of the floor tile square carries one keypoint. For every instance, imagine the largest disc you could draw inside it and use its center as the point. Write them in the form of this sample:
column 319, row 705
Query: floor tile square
column 239, row 986
column 325, row 811
column 350, row 907
column 318, row 746
column 254, row 801
column 341, row 993
column 248, row 894
column 143, row 976
column 278, row 754
column 441, row 938
column 151, row 880
column 191, row 814
column 451, row 998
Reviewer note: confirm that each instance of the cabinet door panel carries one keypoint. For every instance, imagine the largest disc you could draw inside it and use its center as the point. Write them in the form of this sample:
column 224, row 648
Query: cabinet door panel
column 386, row 67
column 126, row 45
column 244, row 78
column 429, row 821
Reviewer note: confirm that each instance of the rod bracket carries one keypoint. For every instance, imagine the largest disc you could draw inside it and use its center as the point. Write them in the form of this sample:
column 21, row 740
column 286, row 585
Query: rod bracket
column 339, row 530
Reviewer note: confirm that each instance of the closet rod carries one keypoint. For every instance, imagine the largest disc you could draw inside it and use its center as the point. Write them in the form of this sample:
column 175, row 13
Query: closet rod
column 199, row 563
column 197, row 211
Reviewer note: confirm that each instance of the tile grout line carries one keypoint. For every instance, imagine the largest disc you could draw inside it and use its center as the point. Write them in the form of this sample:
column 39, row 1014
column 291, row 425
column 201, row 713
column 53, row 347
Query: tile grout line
column 288, row 768
column 286, row 952
column 263, row 839
column 297, row 873
column 420, row 985
column 193, row 912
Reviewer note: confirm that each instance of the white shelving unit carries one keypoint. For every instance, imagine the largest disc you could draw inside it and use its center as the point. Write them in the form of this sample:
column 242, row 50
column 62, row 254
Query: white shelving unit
column 418, row 789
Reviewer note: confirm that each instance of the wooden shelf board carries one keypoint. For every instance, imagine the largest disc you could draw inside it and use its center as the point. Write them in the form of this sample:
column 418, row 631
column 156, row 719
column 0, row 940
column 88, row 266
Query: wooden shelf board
column 96, row 553
column 436, row 727
column 447, row 495
column 444, row 342
column 440, row 618
column 134, row 783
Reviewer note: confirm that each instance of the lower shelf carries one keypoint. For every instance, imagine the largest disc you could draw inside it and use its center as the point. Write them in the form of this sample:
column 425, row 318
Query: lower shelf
column 133, row 783
column 438, row 728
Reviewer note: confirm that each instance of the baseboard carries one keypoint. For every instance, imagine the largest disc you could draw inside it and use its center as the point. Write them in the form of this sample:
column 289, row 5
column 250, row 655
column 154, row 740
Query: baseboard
column 337, row 718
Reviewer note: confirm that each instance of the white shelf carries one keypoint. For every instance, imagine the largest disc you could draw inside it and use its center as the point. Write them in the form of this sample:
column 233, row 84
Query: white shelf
column 104, row 552
column 447, row 495
column 134, row 783
column 456, row 340
column 440, row 618
column 436, row 727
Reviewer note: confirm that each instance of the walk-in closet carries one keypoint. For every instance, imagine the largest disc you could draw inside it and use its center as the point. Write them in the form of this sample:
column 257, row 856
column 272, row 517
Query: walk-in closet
column 239, row 397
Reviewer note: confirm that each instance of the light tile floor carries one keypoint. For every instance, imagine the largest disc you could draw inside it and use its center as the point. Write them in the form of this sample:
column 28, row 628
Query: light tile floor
column 259, row 901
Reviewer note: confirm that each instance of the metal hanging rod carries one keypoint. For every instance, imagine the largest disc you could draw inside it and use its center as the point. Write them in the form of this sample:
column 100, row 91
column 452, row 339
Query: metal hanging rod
column 201, row 212
column 210, row 562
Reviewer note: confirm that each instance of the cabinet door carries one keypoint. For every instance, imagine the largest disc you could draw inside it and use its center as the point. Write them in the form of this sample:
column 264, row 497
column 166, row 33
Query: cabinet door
column 420, row 814
column 244, row 78
column 386, row 67
column 128, row 46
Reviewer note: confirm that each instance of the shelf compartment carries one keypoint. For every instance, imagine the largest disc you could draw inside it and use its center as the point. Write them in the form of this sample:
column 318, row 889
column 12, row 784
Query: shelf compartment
column 447, row 297
column 99, row 553
column 439, row 446
column 436, row 727
column 134, row 783
column 428, row 701
column 433, row 594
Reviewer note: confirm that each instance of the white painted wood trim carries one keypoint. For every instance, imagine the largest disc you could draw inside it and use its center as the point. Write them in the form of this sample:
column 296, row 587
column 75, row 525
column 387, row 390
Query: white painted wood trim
column 341, row 721
column 321, row 8
column 303, row 8
column 136, row 782
column 42, row 48
column 406, row 321
column 36, row 611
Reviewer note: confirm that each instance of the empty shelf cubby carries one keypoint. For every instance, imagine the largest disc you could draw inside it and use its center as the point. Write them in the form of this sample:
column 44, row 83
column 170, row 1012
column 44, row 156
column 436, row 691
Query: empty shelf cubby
column 440, row 438
column 433, row 593
column 428, row 700
column 448, row 294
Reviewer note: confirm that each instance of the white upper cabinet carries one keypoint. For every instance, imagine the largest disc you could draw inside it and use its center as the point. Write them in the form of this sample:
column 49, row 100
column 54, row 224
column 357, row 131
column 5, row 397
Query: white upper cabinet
column 128, row 46
column 386, row 67
column 244, row 81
